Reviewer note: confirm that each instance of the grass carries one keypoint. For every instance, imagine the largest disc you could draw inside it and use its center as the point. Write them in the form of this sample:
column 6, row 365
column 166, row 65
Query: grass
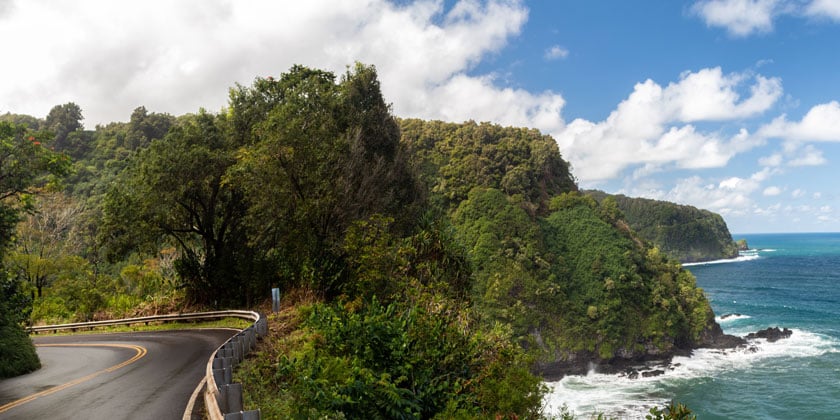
column 236, row 323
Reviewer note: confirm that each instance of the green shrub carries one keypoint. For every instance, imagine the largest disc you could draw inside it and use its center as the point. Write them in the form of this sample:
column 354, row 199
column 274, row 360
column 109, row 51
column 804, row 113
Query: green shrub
column 16, row 350
column 422, row 360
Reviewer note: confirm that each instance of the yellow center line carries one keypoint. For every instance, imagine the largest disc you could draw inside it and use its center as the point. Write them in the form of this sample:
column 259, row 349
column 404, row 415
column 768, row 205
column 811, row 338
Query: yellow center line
column 141, row 351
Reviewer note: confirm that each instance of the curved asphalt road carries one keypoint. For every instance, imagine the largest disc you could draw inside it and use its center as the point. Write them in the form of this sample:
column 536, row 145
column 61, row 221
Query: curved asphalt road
column 148, row 375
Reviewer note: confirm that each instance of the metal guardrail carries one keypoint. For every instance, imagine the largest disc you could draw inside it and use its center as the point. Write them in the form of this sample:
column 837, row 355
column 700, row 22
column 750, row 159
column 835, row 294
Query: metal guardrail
column 195, row 316
column 222, row 399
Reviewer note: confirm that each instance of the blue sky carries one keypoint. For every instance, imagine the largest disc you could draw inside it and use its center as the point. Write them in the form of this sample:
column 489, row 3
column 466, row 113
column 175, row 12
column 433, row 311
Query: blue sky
column 729, row 105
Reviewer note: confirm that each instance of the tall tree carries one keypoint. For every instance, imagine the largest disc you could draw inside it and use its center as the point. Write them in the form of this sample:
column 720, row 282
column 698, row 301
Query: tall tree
column 177, row 189
column 144, row 127
column 45, row 240
column 63, row 120
column 326, row 154
column 24, row 162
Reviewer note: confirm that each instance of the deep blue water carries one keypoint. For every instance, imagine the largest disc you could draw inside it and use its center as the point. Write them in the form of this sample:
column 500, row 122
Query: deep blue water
column 789, row 280
column 794, row 283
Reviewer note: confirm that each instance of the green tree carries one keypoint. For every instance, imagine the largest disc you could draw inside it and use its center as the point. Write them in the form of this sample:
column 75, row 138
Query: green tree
column 22, row 120
column 63, row 120
column 44, row 239
column 176, row 189
column 325, row 155
column 24, row 165
column 144, row 127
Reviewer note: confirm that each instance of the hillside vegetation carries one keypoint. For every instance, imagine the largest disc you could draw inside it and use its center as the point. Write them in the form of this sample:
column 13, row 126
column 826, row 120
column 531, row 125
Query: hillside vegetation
column 434, row 268
column 685, row 233
column 564, row 271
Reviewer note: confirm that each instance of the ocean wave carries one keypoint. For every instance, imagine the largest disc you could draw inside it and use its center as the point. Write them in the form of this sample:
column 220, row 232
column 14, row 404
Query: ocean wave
column 741, row 258
column 726, row 318
column 618, row 395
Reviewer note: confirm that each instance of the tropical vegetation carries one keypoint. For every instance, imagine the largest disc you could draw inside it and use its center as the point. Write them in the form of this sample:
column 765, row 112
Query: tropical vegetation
column 685, row 233
column 429, row 269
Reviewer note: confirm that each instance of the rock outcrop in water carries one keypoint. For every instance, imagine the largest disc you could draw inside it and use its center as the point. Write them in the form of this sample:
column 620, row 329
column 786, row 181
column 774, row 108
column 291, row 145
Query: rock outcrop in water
column 772, row 334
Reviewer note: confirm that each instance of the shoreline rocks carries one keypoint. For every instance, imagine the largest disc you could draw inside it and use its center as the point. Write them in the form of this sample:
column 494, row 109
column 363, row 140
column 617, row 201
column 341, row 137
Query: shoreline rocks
column 651, row 364
column 772, row 334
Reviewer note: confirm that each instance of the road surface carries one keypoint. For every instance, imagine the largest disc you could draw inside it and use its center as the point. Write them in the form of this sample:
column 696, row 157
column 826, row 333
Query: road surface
column 148, row 375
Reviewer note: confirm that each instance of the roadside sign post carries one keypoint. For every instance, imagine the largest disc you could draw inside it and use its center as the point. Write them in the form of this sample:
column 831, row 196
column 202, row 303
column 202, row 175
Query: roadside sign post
column 275, row 299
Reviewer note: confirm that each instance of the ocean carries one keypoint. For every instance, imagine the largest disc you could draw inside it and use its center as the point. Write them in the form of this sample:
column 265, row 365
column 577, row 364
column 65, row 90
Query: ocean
column 785, row 280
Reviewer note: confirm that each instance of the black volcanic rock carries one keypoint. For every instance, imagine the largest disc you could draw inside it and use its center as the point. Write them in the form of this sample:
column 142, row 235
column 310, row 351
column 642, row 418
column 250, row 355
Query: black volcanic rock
column 714, row 338
column 772, row 334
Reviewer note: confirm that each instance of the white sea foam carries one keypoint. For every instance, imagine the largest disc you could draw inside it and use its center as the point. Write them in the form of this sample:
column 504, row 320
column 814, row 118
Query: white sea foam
column 729, row 318
column 618, row 395
column 741, row 258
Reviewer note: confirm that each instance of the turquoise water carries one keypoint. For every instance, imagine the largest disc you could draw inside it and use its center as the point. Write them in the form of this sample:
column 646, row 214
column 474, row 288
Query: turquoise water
column 789, row 280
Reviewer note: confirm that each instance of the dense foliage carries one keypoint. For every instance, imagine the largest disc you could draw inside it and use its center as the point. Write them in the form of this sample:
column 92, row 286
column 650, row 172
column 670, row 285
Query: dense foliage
column 423, row 359
column 26, row 165
column 685, row 233
column 454, row 158
column 448, row 260
column 563, row 270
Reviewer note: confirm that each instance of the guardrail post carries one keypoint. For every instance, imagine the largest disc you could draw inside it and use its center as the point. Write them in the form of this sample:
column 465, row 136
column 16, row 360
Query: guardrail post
column 244, row 415
column 223, row 376
column 232, row 397
column 222, row 363
column 232, row 351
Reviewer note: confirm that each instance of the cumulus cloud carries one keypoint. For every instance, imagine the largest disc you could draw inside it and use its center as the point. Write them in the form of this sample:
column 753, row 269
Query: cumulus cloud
column 773, row 160
column 556, row 52
column 738, row 17
column 821, row 123
column 729, row 196
column 462, row 98
column 742, row 18
column 178, row 56
column 824, row 8
column 808, row 156
column 652, row 126
column 772, row 191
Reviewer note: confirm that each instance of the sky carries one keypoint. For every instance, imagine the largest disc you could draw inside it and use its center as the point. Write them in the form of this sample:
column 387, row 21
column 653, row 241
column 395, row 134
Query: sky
column 727, row 105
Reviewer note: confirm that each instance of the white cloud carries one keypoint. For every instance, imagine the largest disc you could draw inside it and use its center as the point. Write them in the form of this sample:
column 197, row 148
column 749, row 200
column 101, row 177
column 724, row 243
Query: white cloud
column 772, row 160
column 742, row 18
column 463, row 98
column 769, row 211
column 772, row 191
column 798, row 193
column 556, row 52
column 648, row 128
column 729, row 196
column 824, row 8
column 178, row 56
column 808, row 156
column 821, row 123
column 710, row 95
column 739, row 17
